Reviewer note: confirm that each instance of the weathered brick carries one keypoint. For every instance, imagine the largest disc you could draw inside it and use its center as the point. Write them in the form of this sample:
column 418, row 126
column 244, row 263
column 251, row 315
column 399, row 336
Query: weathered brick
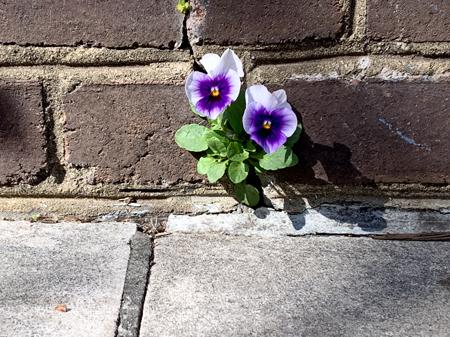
column 364, row 132
column 413, row 20
column 266, row 22
column 113, row 23
column 126, row 132
column 22, row 133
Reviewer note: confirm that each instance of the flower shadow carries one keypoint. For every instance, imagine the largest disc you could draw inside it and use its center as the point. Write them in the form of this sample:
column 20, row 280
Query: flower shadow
column 323, row 168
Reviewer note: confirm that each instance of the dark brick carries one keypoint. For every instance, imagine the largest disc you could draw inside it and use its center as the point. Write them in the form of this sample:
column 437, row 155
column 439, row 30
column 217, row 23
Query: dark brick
column 266, row 22
column 126, row 132
column 413, row 20
column 364, row 132
column 22, row 135
column 113, row 23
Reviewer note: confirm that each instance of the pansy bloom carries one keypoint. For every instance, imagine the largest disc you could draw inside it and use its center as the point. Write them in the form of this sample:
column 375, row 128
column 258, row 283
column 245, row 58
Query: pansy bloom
column 268, row 118
column 211, row 93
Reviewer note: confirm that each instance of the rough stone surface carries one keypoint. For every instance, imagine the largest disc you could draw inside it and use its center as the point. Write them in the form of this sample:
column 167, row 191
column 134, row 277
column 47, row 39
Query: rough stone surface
column 410, row 20
column 101, row 23
column 270, row 22
column 371, row 131
column 346, row 218
column 22, row 134
column 126, row 132
column 80, row 265
column 315, row 286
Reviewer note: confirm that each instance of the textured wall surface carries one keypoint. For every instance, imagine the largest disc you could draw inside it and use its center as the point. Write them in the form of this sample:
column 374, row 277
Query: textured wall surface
column 91, row 92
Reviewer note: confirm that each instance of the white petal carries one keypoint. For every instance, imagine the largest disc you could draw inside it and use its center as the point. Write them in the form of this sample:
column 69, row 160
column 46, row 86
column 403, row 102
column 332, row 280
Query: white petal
column 290, row 122
column 284, row 106
column 229, row 61
column 210, row 62
column 259, row 93
column 281, row 98
column 238, row 63
column 235, row 82
column 280, row 95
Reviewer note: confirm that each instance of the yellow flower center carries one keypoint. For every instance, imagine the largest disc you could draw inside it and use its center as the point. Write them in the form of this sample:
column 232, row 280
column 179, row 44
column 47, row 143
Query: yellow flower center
column 215, row 92
column 267, row 125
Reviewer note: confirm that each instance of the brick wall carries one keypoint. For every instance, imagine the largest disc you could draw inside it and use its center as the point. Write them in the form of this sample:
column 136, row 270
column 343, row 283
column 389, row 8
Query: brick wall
column 91, row 93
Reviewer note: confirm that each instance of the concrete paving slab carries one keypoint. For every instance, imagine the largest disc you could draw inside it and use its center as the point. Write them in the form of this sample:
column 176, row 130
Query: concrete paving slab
column 79, row 265
column 212, row 285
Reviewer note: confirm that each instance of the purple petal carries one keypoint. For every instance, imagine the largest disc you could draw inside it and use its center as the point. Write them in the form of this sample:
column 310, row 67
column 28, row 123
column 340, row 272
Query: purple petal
column 228, row 86
column 253, row 114
column 193, row 86
column 286, row 121
column 211, row 108
column 259, row 93
column 270, row 142
column 282, row 124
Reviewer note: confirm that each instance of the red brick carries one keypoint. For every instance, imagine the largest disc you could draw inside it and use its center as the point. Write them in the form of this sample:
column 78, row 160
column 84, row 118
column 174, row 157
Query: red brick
column 409, row 20
column 383, row 132
column 22, row 134
column 113, row 23
column 126, row 132
column 266, row 22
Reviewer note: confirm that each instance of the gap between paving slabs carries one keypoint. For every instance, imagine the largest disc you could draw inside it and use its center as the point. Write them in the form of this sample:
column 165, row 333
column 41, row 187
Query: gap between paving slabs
column 135, row 285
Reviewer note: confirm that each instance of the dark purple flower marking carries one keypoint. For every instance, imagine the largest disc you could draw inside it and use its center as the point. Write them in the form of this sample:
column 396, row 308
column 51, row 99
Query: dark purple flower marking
column 213, row 92
column 268, row 118
column 211, row 95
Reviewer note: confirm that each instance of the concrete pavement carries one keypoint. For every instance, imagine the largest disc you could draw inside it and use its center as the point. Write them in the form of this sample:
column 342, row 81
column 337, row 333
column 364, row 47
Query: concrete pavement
column 217, row 285
column 81, row 266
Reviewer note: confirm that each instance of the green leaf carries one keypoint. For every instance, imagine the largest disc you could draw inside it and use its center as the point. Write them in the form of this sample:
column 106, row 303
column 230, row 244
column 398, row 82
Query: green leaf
column 216, row 124
column 295, row 137
column 237, row 172
column 216, row 170
column 219, row 134
column 247, row 194
column 204, row 163
column 183, row 6
column 280, row 159
column 217, row 146
column 259, row 170
column 192, row 137
column 249, row 146
column 236, row 152
column 217, row 142
column 233, row 114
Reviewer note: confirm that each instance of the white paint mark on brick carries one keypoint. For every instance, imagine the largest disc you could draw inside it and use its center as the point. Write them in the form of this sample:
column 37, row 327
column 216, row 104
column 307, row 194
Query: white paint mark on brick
column 402, row 135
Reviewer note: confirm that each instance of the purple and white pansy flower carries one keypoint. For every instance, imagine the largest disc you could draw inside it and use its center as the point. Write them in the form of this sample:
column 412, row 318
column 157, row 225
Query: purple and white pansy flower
column 211, row 93
column 268, row 118
column 227, row 145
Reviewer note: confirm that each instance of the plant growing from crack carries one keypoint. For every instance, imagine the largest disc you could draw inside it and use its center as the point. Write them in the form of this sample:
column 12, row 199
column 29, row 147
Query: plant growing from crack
column 183, row 6
column 249, row 132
